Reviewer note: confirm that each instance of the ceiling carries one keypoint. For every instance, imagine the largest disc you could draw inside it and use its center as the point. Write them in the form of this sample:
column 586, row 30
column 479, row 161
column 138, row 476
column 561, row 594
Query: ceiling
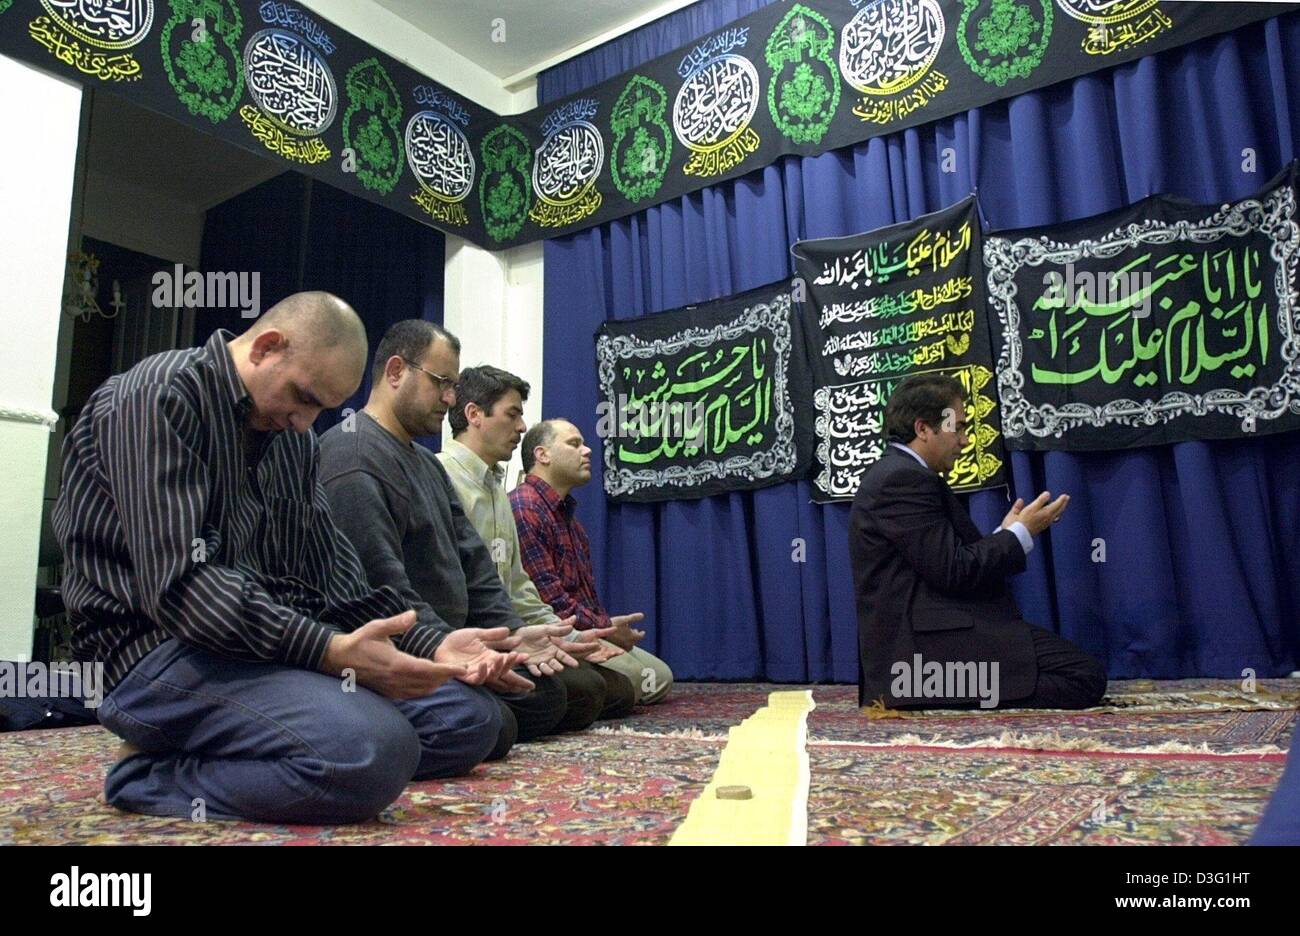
column 197, row 170
column 535, row 32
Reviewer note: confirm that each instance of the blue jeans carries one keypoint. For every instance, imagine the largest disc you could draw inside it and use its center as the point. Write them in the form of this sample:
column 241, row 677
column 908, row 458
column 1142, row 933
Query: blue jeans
column 277, row 744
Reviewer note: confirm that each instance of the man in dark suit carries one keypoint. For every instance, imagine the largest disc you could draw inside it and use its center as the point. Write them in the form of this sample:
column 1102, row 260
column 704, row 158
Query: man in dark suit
column 937, row 625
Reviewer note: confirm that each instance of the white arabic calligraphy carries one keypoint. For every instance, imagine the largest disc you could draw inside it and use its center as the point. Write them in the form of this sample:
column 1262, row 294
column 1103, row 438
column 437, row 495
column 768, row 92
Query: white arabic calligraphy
column 108, row 24
column 440, row 156
column 290, row 82
column 890, row 44
column 568, row 162
column 717, row 102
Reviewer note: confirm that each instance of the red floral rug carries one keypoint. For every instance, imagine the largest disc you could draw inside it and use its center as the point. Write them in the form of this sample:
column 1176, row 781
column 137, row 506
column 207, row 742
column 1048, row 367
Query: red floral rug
column 1045, row 777
column 573, row 790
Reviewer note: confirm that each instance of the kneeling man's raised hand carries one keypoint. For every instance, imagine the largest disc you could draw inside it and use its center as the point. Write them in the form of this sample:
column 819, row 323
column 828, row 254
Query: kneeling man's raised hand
column 379, row 666
column 547, row 651
column 1038, row 514
column 486, row 653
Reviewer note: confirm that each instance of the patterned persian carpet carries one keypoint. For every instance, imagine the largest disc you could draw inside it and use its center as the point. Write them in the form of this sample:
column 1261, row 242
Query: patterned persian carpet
column 1187, row 762
column 977, row 797
column 1173, row 716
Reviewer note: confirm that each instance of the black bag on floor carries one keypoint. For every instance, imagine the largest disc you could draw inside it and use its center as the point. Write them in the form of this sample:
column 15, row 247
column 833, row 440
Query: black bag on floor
column 27, row 713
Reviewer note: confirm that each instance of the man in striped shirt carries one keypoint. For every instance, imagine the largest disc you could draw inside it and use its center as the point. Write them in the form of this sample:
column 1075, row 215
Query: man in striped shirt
column 250, row 668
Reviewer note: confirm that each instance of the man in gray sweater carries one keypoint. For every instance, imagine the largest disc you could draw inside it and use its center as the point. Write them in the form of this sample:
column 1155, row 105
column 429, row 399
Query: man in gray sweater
column 396, row 505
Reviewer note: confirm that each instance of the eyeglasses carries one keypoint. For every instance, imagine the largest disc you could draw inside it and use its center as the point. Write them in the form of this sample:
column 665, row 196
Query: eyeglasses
column 444, row 383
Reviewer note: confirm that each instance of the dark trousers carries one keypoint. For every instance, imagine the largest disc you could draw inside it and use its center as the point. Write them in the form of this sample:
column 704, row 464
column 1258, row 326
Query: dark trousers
column 569, row 701
column 595, row 692
column 1068, row 678
column 227, row 739
column 586, row 689
column 527, row 716
column 620, row 694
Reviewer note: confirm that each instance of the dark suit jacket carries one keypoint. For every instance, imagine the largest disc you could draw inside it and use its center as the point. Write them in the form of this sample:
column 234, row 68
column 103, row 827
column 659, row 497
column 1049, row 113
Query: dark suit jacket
column 928, row 582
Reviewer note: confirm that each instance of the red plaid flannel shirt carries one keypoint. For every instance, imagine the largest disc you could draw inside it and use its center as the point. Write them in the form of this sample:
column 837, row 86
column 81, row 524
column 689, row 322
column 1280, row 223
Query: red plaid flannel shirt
column 555, row 552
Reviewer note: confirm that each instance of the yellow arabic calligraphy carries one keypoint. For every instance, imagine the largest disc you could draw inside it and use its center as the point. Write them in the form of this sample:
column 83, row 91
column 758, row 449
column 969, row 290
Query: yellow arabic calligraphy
column 120, row 67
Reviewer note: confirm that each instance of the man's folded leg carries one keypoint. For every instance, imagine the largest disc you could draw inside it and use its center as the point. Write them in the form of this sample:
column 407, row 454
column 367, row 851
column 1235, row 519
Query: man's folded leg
column 1068, row 678
column 509, row 733
column 620, row 695
column 536, row 713
column 650, row 676
column 458, row 725
column 586, row 693
column 233, row 740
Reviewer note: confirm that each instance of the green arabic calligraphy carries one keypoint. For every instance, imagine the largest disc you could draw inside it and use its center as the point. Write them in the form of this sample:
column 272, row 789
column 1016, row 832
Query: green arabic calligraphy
column 372, row 125
column 710, row 401
column 804, row 90
column 505, row 188
column 1192, row 339
column 638, row 166
column 208, row 77
column 1012, row 41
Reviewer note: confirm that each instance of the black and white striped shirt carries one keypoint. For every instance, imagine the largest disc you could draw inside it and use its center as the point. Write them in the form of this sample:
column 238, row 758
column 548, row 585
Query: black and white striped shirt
column 170, row 527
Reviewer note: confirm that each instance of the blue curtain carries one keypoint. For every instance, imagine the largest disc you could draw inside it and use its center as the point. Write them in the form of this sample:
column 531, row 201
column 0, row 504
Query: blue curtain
column 1202, row 539
column 303, row 234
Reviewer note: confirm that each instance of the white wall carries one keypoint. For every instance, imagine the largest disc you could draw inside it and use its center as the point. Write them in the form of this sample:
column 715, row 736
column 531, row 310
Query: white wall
column 36, row 171
column 493, row 304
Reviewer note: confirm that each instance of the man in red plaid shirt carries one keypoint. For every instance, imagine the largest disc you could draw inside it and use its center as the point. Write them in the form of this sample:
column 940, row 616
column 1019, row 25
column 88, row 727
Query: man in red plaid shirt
column 557, row 556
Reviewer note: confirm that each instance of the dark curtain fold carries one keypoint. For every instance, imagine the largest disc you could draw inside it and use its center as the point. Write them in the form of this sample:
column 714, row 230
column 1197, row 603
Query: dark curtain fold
column 1201, row 539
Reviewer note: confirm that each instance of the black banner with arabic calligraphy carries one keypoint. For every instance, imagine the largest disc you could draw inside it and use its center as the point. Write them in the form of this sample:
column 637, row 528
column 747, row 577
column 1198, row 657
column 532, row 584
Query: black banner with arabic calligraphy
column 793, row 77
column 1161, row 322
column 880, row 307
column 701, row 400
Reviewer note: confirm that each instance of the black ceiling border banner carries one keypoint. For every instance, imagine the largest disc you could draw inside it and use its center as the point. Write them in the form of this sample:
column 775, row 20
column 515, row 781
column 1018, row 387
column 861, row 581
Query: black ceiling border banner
column 797, row 78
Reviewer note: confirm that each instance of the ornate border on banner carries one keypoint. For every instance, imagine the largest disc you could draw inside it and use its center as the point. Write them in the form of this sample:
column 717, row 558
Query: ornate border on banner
column 779, row 459
column 1272, row 216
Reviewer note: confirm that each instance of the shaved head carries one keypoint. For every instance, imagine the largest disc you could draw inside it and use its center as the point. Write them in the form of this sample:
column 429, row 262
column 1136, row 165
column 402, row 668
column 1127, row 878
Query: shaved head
column 307, row 353
column 316, row 321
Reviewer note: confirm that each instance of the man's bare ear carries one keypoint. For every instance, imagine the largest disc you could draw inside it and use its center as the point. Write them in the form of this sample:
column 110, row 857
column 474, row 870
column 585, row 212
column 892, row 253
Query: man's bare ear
column 271, row 341
column 393, row 368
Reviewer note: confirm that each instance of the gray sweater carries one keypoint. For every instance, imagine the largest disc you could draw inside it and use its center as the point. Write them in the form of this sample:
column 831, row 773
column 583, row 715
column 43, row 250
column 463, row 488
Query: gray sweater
column 397, row 507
